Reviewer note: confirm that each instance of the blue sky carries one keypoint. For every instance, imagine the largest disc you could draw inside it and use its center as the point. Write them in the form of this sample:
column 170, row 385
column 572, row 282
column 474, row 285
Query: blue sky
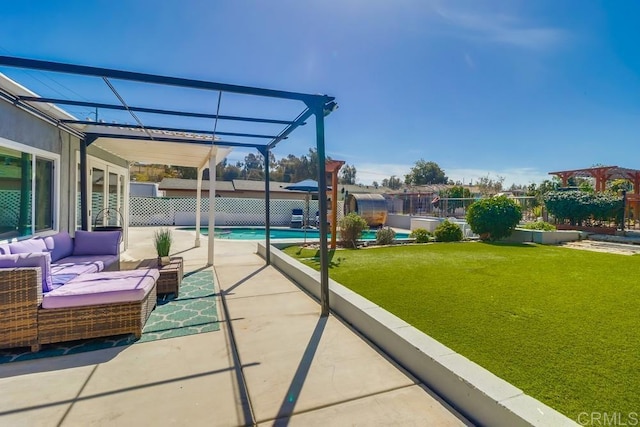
column 501, row 88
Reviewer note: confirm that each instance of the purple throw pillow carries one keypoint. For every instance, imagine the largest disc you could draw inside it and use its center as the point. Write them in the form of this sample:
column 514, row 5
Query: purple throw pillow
column 96, row 243
column 36, row 259
column 60, row 245
column 28, row 246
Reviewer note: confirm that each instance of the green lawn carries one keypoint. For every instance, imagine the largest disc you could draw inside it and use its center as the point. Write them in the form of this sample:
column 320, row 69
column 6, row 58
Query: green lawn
column 561, row 324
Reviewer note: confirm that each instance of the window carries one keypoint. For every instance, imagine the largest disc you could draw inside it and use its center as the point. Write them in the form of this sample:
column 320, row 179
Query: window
column 27, row 199
column 44, row 195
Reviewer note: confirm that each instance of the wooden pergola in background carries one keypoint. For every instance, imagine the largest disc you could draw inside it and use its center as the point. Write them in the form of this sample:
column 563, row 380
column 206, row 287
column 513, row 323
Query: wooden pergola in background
column 603, row 174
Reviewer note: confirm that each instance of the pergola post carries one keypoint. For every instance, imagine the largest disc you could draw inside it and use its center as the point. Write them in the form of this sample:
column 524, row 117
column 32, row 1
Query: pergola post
column 322, row 199
column 212, row 206
column 333, row 167
column 198, row 206
column 267, row 215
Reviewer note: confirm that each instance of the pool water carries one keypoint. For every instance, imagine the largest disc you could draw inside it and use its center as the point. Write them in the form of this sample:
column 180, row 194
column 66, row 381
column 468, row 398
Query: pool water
column 258, row 233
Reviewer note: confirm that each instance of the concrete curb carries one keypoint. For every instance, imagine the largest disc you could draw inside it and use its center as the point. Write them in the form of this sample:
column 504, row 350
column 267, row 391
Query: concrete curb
column 475, row 392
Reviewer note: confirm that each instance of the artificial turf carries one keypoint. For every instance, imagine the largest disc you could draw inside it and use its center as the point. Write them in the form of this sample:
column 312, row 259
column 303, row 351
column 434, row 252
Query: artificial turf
column 561, row 324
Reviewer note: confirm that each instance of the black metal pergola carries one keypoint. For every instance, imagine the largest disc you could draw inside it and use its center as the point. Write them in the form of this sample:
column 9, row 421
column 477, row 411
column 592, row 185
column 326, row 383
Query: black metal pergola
column 89, row 132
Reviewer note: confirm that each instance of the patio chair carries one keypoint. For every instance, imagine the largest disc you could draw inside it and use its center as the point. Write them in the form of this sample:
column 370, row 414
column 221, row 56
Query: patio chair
column 297, row 218
column 317, row 223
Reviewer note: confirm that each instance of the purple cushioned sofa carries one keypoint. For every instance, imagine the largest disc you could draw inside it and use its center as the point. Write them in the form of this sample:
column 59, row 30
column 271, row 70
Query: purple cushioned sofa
column 59, row 288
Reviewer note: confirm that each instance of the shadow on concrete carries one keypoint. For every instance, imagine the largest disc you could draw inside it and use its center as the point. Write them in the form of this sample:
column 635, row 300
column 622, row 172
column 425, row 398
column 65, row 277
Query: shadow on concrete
column 241, row 281
column 291, row 397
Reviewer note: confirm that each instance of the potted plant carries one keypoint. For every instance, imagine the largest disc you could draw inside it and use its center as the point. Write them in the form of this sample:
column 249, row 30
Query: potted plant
column 163, row 240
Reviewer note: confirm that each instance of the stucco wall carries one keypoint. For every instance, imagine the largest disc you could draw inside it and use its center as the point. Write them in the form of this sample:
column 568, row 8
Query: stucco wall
column 24, row 128
column 19, row 126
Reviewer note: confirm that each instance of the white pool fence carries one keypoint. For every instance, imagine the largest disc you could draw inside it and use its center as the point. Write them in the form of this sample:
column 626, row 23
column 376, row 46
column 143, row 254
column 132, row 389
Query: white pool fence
column 181, row 211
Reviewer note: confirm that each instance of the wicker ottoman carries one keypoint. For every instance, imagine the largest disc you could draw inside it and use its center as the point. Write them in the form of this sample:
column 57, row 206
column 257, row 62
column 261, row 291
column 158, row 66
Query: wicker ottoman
column 98, row 305
column 170, row 275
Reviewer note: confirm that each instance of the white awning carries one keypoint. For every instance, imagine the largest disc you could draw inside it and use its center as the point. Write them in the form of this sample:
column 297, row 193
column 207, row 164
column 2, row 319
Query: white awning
column 189, row 150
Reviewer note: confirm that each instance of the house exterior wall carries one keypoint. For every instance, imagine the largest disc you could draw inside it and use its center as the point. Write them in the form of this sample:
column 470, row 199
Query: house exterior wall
column 19, row 126
column 22, row 127
column 186, row 193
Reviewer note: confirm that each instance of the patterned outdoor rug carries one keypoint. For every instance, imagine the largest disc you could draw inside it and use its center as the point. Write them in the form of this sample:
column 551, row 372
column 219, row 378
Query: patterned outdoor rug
column 193, row 312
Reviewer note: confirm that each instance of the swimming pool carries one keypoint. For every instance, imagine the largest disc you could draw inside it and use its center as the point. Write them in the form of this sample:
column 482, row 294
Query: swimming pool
column 258, row 233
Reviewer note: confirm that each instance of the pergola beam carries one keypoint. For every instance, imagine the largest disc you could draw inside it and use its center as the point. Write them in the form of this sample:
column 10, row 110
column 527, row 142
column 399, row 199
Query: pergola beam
column 176, row 140
column 85, row 70
column 299, row 121
column 152, row 110
column 168, row 129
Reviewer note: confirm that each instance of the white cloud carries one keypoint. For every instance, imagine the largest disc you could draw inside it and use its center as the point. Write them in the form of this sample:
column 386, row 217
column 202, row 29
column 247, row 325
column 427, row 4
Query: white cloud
column 238, row 156
column 469, row 61
column 501, row 29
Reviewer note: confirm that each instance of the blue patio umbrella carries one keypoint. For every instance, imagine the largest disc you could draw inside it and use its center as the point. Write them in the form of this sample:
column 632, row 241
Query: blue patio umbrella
column 309, row 186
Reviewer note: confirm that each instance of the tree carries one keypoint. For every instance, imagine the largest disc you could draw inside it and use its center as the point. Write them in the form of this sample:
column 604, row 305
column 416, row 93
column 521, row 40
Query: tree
column 488, row 186
column 375, row 184
column 545, row 187
column 393, row 182
column 253, row 167
column 231, row 172
column 294, row 169
column 185, row 172
column 618, row 185
column 494, row 218
column 348, row 175
column 288, row 169
column 456, row 192
column 425, row 173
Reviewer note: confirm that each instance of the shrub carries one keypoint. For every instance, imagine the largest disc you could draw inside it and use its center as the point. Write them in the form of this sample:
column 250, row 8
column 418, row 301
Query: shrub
column 351, row 228
column 421, row 235
column 494, row 218
column 539, row 225
column 385, row 236
column 578, row 206
column 448, row 232
column 162, row 241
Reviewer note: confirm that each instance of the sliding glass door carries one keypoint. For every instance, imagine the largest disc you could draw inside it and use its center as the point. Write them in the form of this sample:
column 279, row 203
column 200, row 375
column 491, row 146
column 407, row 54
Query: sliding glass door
column 107, row 195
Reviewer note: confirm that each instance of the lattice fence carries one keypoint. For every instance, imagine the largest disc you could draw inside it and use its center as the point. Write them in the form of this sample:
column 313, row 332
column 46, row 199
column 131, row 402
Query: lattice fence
column 181, row 211
column 10, row 208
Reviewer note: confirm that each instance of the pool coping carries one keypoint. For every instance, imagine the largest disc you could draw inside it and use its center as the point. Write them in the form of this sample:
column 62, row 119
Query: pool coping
column 471, row 389
column 292, row 240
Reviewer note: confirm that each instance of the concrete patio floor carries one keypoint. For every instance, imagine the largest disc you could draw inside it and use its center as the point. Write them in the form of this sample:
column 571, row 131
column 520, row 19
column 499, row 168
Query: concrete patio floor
column 275, row 361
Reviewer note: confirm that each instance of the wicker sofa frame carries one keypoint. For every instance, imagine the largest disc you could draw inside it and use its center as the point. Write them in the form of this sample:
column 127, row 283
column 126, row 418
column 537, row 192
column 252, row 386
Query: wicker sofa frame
column 26, row 324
